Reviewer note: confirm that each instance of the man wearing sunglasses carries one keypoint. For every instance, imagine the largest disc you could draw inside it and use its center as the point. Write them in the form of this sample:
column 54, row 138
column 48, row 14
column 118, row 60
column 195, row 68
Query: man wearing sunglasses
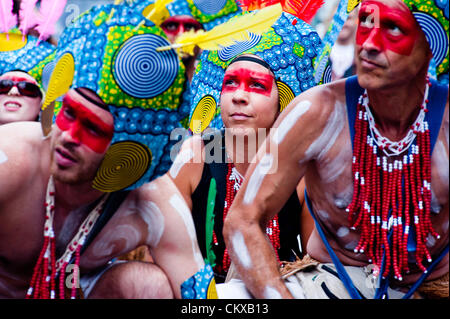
column 20, row 97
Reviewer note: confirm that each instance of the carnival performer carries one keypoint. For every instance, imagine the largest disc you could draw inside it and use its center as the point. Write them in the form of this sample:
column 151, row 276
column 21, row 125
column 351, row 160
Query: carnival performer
column 239, row 91
column 78, row 196
column 175, row 18
column 374, row 153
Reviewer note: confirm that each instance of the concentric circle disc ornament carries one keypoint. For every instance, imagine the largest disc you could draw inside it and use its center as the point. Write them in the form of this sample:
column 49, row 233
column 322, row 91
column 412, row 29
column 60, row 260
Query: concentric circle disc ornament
column 237, row 48
column 124, row 164
column 435, row 34
column 285, row 93
column 203, row 114
column 141, row 71
column 210, row 6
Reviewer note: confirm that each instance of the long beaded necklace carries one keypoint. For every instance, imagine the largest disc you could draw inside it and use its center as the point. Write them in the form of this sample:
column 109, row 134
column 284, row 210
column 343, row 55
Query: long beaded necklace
column 234, row 182
column 391, row 197
column 47, row 268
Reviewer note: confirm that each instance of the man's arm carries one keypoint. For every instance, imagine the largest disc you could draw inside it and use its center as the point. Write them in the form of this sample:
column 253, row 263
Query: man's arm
column 187, row 168
column 281, row 163
column 172, row 239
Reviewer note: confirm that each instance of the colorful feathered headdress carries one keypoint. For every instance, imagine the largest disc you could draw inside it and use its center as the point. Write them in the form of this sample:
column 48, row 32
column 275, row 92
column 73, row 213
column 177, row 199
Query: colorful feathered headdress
column 209, row 13
column 302, row 9
column 108, row 51
column 433, row 18
column 289, row 45
column 18, row 49
column 43, row 20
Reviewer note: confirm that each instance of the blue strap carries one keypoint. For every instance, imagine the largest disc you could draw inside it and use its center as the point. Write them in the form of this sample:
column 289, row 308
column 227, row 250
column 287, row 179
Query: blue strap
column 381, row 291
column 436, row 106
column 427, row 273
column 352, row 93
column 437, row 98
column 343, row 275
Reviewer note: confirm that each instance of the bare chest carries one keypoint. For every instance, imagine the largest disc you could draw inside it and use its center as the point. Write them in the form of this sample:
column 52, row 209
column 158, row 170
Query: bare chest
column 331, row 186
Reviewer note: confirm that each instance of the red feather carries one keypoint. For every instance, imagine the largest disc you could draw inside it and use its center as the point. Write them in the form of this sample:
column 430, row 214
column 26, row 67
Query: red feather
column 249, row 5
column 302, row 9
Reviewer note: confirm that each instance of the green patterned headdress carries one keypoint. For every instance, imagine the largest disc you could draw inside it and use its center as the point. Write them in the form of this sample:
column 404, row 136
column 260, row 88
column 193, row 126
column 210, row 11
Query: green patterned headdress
column 17, row 53
column 208, row 12
column 108, row 51
column 432, row 16
column 290, row 47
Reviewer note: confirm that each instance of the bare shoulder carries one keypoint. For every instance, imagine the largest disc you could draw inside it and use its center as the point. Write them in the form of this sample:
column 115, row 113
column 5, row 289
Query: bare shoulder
column 187, row 168
column 22, row 154
column 22, row 140
column 309, row 113
column 20, row 134
column 322, row 98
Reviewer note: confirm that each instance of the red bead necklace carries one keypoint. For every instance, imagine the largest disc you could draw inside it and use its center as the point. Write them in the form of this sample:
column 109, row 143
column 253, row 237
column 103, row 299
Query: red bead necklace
column 234, row 181
column 47, row 268
column 384, row 186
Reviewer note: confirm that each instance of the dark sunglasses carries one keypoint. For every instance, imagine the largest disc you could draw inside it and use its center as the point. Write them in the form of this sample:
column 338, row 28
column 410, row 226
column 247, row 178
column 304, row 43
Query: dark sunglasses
column 25, row 88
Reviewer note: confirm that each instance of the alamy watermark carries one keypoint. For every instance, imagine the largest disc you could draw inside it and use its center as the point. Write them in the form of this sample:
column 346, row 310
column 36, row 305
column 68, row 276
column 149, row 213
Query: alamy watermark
column 243, row 145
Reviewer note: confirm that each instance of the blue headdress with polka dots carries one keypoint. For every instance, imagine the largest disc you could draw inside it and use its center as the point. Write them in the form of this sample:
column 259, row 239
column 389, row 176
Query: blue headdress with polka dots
column 290, row 47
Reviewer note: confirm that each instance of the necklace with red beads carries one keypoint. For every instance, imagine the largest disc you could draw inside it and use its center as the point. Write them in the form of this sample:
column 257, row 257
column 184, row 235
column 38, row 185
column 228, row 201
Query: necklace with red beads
column 392, row 192
column 43, row 283
column 234, row 182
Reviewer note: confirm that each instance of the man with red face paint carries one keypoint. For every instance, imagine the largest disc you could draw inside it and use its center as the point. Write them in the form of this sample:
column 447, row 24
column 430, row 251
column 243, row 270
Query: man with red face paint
column 373, row 150
column 50, row 190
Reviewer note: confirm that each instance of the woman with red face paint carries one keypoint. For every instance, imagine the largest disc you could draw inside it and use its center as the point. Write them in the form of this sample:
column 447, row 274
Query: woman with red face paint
column 381, row 220
column 20, row 97
column 251, row 81
column 249, row 106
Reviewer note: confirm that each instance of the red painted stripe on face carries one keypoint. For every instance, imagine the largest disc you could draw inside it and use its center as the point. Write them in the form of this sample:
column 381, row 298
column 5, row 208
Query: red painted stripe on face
column 247, row 80
column 84, row 125
column 387, row 28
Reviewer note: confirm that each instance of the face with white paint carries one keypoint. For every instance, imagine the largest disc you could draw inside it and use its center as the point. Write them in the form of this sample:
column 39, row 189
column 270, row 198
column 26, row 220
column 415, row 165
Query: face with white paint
column 249, row 98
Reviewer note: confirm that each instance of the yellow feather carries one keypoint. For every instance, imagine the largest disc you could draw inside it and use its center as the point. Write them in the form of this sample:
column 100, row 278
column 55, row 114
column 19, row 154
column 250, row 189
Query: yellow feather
column 236, row 29
column 157, row 10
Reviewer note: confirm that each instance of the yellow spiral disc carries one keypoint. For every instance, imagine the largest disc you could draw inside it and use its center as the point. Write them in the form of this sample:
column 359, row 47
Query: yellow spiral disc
column 124, row 164
column 14, row 43
column 286, row 95
column 60, row 80
column 203, row 114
